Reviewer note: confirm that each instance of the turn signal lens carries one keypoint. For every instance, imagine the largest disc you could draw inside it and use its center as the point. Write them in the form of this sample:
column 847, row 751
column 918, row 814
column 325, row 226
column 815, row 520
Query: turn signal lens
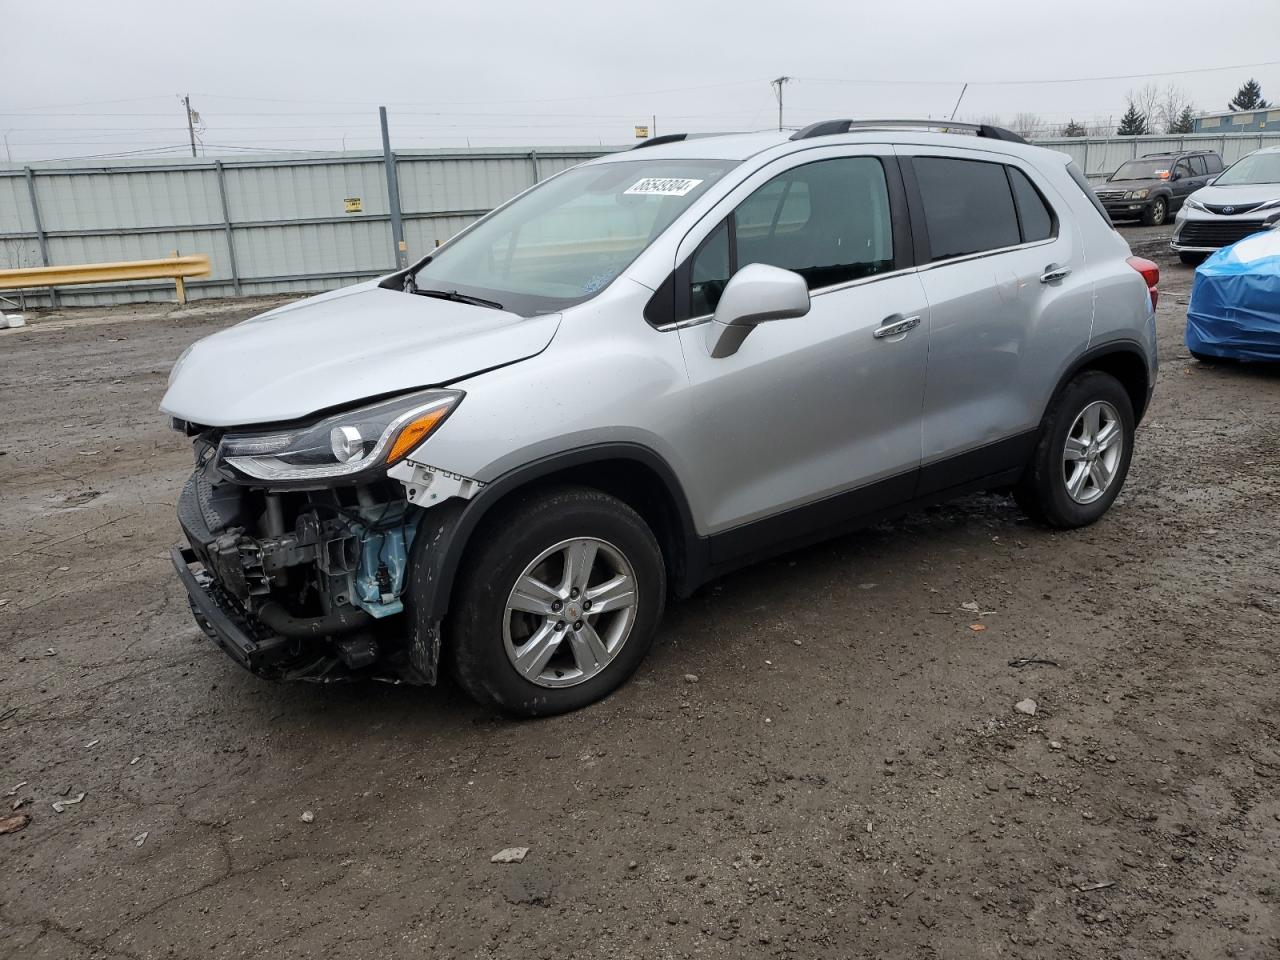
column 414, row 432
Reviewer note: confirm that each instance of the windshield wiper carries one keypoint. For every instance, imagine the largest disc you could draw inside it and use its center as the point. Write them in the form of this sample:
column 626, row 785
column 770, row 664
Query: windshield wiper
column 457, row 297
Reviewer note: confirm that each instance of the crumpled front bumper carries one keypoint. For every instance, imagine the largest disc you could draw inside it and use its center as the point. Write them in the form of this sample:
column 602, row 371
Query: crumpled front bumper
column 225, row 624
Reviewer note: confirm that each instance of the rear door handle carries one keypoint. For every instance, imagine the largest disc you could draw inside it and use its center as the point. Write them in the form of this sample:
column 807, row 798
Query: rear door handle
column 1054, row 272
column 895, row 325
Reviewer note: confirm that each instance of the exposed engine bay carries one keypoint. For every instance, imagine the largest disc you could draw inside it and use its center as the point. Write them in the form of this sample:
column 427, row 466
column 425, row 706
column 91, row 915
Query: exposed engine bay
column 312, row 581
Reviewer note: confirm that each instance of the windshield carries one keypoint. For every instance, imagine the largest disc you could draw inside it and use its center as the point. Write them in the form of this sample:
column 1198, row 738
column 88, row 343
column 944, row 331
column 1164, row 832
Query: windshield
column 567, row 240
column 1255, row 168
column 1144, row 170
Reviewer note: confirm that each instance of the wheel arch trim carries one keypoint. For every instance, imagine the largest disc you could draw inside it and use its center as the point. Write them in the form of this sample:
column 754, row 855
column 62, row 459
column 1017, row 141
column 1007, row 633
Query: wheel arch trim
column 1122, row 347
column 435, row 559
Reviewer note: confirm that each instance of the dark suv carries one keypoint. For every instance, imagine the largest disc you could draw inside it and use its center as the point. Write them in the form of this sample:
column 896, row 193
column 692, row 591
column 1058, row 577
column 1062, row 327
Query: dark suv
column 1156, row 185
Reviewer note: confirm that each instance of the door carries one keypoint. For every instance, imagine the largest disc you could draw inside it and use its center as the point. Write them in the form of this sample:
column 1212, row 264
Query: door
column 815, row 418
column 1008, row 300
column 1187, row 181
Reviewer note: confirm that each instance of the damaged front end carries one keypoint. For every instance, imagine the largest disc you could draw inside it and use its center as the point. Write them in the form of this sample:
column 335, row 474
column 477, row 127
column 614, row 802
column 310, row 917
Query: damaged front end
column 300, row 546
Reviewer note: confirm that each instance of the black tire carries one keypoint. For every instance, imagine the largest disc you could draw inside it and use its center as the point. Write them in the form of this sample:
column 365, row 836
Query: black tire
column 1192, row 259
column 1042, row 491
column 500, row 552
column 1155, row 213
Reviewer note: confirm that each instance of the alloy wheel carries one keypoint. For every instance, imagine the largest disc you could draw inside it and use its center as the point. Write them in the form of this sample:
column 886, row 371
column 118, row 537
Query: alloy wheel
column 1092, row 452
column 570, row 612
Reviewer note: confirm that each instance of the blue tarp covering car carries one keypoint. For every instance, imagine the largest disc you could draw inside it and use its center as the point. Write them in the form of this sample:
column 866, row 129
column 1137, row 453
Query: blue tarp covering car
column 1234, row 311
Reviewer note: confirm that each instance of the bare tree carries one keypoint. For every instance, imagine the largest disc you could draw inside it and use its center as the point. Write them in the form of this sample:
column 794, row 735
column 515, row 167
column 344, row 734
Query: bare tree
column 1174, row 102
column 1026, row 125
column 1147, row 100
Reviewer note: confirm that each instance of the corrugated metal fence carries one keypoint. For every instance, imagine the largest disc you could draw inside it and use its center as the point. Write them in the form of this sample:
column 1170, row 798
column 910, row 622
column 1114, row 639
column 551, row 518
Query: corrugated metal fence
column 269, row 225
column 284, row 224
column 1099, row 157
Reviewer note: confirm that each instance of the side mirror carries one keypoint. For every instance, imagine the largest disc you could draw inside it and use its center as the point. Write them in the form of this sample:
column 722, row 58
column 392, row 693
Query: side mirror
column 1175, row 175
column 755, row 294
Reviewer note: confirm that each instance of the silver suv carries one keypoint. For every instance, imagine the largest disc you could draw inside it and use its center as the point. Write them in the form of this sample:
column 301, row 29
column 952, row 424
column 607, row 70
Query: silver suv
column 642, row 373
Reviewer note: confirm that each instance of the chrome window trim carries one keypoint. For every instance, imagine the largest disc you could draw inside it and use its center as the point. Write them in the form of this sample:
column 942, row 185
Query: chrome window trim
column 836, row 287
column 986, row 253
column 820, row 291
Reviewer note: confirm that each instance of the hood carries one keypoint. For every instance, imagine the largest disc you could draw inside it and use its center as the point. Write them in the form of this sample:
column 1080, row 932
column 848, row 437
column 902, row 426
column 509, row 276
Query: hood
column 342, row 347
column 1244, row 196
column 1137, row 184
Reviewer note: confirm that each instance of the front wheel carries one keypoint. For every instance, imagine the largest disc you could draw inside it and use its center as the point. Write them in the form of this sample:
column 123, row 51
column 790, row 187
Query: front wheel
column 1082, row 457
column 558, row 601
column 1156, row 212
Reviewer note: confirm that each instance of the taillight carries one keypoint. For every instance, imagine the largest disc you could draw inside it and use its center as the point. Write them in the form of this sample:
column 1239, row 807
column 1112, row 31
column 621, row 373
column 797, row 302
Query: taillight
column 1150, row 273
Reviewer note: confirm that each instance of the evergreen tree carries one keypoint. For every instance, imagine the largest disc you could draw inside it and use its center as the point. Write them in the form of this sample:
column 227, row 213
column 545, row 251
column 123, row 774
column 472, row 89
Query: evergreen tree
column 1073, row 129
column 1133, row 123
column 1249, row 97
column 1185, row 123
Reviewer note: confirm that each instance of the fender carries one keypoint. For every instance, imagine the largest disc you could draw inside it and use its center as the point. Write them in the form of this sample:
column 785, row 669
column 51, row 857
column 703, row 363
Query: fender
column 448, row 528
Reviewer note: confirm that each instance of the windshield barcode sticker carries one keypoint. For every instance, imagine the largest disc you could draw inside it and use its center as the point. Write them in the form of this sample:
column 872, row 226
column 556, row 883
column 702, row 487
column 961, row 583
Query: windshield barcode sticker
column 663, row 186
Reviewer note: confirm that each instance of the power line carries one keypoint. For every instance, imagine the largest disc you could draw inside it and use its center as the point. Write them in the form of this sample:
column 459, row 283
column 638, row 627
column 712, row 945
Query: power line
column 120, row 153
column 1006, row 83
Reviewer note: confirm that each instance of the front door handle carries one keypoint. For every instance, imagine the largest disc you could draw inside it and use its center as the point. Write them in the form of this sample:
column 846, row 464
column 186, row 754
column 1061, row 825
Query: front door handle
column 1054, row 272
column 895, row 325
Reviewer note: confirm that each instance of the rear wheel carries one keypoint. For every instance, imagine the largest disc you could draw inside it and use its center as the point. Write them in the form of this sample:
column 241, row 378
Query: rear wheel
column 557, row 603
column 1156, row 212
column 1082, row 457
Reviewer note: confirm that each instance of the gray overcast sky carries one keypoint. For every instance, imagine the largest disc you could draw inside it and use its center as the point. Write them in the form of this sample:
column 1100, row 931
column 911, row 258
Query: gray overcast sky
column 295, row 75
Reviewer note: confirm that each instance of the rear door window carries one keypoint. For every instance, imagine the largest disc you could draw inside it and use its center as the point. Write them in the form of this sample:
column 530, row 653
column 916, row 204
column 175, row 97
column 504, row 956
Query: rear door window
column 968, row 206
column 1198, row 166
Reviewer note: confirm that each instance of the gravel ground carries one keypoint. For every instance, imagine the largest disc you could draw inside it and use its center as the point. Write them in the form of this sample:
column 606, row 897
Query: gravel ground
column 846, row 777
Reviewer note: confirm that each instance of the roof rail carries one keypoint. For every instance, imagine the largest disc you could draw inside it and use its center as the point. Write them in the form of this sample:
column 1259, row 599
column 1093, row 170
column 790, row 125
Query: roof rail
column 826, row 128
column 676, row 138
column 665, row 138
column 1175, row 153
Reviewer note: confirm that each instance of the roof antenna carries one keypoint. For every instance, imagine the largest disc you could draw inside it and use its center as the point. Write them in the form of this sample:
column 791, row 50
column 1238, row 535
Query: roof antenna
column 958, row 99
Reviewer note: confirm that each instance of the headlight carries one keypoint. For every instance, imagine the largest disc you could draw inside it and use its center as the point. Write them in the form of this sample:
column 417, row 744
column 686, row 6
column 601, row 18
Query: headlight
column 1195, row 204
column 347, row 443
column 1137, row 194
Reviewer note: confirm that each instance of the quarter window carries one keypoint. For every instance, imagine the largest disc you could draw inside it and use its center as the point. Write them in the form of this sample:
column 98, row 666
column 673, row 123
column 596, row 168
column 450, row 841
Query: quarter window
column 1033, row 213
column 968, row 206
column 828, row 221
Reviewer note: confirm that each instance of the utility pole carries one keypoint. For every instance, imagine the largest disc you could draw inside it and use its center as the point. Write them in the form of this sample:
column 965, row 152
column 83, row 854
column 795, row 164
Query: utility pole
column 8, row 157
column 653, row 130
column 393, row 195
column 191, row 128
column 777, row 92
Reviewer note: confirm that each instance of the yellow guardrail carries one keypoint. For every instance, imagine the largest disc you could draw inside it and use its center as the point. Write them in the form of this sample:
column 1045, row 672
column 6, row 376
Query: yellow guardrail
column 173, row 268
